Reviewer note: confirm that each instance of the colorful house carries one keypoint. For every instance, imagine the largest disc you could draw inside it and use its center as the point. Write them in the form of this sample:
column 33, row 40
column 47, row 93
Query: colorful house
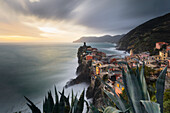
column 163, row 55
column 94, row 49
column 168, row 48
column 89, row 57
column 131, row 52
column 89, row 49
column 118, row 88
column 88, row 52
column 156, row 57
column 144, row 55
column 168, row 59
column 159, row 44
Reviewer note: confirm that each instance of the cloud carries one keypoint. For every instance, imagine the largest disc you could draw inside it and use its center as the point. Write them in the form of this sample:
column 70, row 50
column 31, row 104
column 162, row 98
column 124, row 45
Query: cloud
column 48, row 9
column 34, row 1
column 83, row 17
column 120, row 15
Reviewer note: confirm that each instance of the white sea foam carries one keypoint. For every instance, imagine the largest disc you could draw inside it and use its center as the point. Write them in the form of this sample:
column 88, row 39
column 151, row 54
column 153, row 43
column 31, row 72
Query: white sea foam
column 114, row 51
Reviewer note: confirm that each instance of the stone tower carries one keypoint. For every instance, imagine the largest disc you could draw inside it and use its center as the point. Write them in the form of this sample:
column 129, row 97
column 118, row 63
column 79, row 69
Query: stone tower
column 131, row 52
column 84, row 44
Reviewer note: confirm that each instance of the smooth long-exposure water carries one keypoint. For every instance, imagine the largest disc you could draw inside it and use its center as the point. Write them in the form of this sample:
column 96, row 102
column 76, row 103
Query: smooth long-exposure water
column 33, row 69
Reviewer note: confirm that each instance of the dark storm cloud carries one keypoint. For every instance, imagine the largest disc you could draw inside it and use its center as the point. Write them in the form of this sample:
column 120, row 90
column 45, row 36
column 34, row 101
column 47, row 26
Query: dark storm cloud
column 57, row 9
column 122, row 15
column 108, row 16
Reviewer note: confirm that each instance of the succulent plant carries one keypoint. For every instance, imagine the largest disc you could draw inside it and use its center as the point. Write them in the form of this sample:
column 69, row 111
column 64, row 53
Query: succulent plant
column 61, row 105
column 137, row 93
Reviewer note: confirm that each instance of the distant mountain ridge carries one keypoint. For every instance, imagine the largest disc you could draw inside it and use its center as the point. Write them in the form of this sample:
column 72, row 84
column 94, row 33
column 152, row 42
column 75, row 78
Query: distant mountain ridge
column 105, row 38
column 144, row 37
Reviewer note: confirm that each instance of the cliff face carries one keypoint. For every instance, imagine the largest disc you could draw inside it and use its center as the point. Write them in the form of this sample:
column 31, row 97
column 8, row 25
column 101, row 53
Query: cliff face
column 95, row 92
column 84, row 73
column 83, row 70
column 105, row 38
column 144, row 37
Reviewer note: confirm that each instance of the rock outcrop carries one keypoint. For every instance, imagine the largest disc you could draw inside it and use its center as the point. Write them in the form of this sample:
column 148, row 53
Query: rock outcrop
column 83, row 70
column 84, row 73
column 95, row 92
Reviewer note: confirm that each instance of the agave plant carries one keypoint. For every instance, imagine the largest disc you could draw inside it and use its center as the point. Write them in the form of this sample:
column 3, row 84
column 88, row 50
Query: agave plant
column 137, row 93
column 61, row 105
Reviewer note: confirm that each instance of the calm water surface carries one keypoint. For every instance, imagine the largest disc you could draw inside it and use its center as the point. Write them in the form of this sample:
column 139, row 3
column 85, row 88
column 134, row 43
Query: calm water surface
column 32, row 69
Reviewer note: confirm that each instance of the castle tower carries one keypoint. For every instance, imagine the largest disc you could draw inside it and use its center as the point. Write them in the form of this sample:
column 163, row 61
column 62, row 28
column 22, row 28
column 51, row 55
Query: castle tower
column 84, row 44
column 131, row 52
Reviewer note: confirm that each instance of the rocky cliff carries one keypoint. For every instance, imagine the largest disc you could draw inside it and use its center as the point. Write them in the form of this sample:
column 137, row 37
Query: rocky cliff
column 144, row 37
column 95, row 92
column 84, row 73
column 83, row 70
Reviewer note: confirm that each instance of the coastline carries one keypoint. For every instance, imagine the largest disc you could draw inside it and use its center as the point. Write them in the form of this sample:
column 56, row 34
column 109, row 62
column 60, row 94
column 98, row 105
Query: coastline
column 84, row 75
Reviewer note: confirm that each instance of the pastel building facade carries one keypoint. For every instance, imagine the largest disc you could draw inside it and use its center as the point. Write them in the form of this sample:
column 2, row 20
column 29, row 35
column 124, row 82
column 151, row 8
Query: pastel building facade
column 160, row 44
column 163, row 55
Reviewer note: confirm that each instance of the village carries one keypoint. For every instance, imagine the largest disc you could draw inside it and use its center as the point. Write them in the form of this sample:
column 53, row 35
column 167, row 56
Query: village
column 109, row 68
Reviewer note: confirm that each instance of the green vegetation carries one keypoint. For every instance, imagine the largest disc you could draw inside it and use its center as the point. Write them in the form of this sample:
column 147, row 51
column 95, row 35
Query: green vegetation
column 138, row 100
column 144, row 37
column 166, row 102
column 135, row 98
column 61, row 105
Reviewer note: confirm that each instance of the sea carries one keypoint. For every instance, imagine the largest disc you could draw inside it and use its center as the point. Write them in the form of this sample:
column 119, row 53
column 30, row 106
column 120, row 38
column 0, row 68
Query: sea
column 33, row 69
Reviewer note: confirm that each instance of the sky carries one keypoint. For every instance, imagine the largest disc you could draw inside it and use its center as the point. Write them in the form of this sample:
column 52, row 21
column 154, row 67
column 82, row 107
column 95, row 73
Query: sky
column 68, row 20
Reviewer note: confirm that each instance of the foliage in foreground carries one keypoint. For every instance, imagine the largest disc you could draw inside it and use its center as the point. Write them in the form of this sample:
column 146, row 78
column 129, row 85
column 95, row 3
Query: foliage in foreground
column 166, row 102
column 136, row 90
column 137, row 93
column 61, row 105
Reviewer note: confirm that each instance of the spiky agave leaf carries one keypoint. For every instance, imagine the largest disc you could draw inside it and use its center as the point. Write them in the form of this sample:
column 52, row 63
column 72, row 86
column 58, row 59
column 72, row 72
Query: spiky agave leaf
column 62, row 102
column 45, row 105
column 115, row 100
column 74, row 106
column 67, row 104
column 142, row 83
column 32, row 106
column 119, row 102
column 160, row 86
column 151, row 107
column 87, row 106
column 80, row 104
column 50, row 103
column 56, row 96
column 56, row 105
column 72, row 101
column 94, row 109
column 110, row 109
column 72, row 98
column 133, row 90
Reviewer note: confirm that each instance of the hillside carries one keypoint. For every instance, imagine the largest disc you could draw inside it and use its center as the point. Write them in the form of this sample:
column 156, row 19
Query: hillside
column 105, row 38
column 144, row 37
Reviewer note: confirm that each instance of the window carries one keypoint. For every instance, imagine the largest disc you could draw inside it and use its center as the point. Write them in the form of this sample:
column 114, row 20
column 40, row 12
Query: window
column 117, row 85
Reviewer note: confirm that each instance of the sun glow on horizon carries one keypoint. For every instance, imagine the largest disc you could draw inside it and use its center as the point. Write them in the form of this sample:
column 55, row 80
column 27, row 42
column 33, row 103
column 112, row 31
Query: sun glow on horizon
column 30, row 28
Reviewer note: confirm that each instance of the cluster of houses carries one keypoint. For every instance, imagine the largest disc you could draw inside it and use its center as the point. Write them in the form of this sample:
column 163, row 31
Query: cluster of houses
column 156, row 62
column 110, row 68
